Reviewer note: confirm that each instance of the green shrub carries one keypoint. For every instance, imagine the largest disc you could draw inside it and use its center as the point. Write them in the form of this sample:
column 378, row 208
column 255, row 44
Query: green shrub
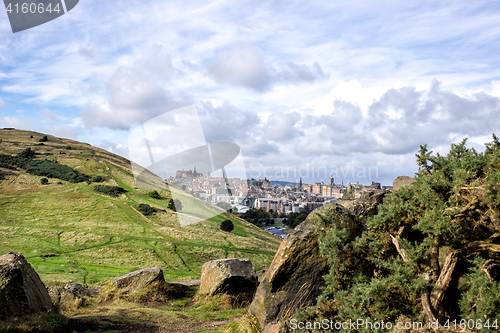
column 227, row 225
column 480, row 298
column 146, row 209
column 44, row 181
column 112, row 191
column 27, row 153
column 97, row 179
column 44, row 139
column 175, row 205
column 49, row 169
column 154, row 194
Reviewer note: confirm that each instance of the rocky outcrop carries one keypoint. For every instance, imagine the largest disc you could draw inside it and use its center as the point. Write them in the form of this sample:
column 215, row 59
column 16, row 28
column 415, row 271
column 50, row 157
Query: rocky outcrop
column 79, row 290
column 70, row 292
column 21, row 290
column 366, row 205
column 60, row 295
column 228, row 276
column 262, row 273
column 295, row 277
column 402, row 181
column 138, row 280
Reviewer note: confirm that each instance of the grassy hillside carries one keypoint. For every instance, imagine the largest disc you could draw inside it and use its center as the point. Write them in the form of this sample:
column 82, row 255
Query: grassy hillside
column 69, row 232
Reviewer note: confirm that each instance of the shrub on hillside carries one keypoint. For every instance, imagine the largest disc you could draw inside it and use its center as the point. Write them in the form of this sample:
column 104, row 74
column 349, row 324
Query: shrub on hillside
column 27, row 153
column 175, row 205
column 146, row 209
column 44, row 181
column 97, row 179
column 49, row 169
column 227, row 225
column 44, row 139
column 112, row 191
column 154, row 194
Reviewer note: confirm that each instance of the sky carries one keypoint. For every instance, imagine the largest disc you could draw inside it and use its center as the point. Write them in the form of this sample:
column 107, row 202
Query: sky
column 310, row 89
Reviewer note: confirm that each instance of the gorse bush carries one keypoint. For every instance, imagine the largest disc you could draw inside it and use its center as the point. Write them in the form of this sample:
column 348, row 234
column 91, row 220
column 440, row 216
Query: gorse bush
column 44, row 181
column 49, row 169
column 43, row 168
column 97, row 179
column 112, row 191
column 227, row 225
column 175, row 205
column 154, row 194
column 414, row 259
column 146, row 209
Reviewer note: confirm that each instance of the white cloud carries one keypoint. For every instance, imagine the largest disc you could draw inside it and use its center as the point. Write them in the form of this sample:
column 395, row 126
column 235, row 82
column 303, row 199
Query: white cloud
column 244, row 65
column 138, row 93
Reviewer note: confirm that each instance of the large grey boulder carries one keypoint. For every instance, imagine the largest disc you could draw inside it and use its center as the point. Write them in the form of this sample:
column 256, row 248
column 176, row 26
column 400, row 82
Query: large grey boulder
column 138, row 280
column 230, row 276
column 21, row 290
column 402, row 181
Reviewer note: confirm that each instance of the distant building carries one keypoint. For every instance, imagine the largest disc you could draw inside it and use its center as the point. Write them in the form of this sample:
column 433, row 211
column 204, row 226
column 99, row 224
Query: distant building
column 188, row 173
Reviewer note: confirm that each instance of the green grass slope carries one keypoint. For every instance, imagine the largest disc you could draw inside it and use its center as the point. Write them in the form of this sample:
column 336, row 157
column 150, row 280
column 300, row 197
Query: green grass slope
column 69, row 232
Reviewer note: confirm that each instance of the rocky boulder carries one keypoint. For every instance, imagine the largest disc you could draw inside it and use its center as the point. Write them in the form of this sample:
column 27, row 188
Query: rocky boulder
column 228, row 276
column 138, row 280
column 70, row 292
column 366, row 205
column 402, row 181
column 79, row 290
column 60, row 295
column 21, row 290
column 295, row 277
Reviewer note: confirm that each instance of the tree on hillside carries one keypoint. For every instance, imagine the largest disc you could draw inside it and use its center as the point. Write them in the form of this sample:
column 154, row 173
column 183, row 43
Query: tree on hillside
column 154, row 194
column 227, row 225
column 146, row 209
column 294, row 219
column 432, row 251
column 175, row 205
